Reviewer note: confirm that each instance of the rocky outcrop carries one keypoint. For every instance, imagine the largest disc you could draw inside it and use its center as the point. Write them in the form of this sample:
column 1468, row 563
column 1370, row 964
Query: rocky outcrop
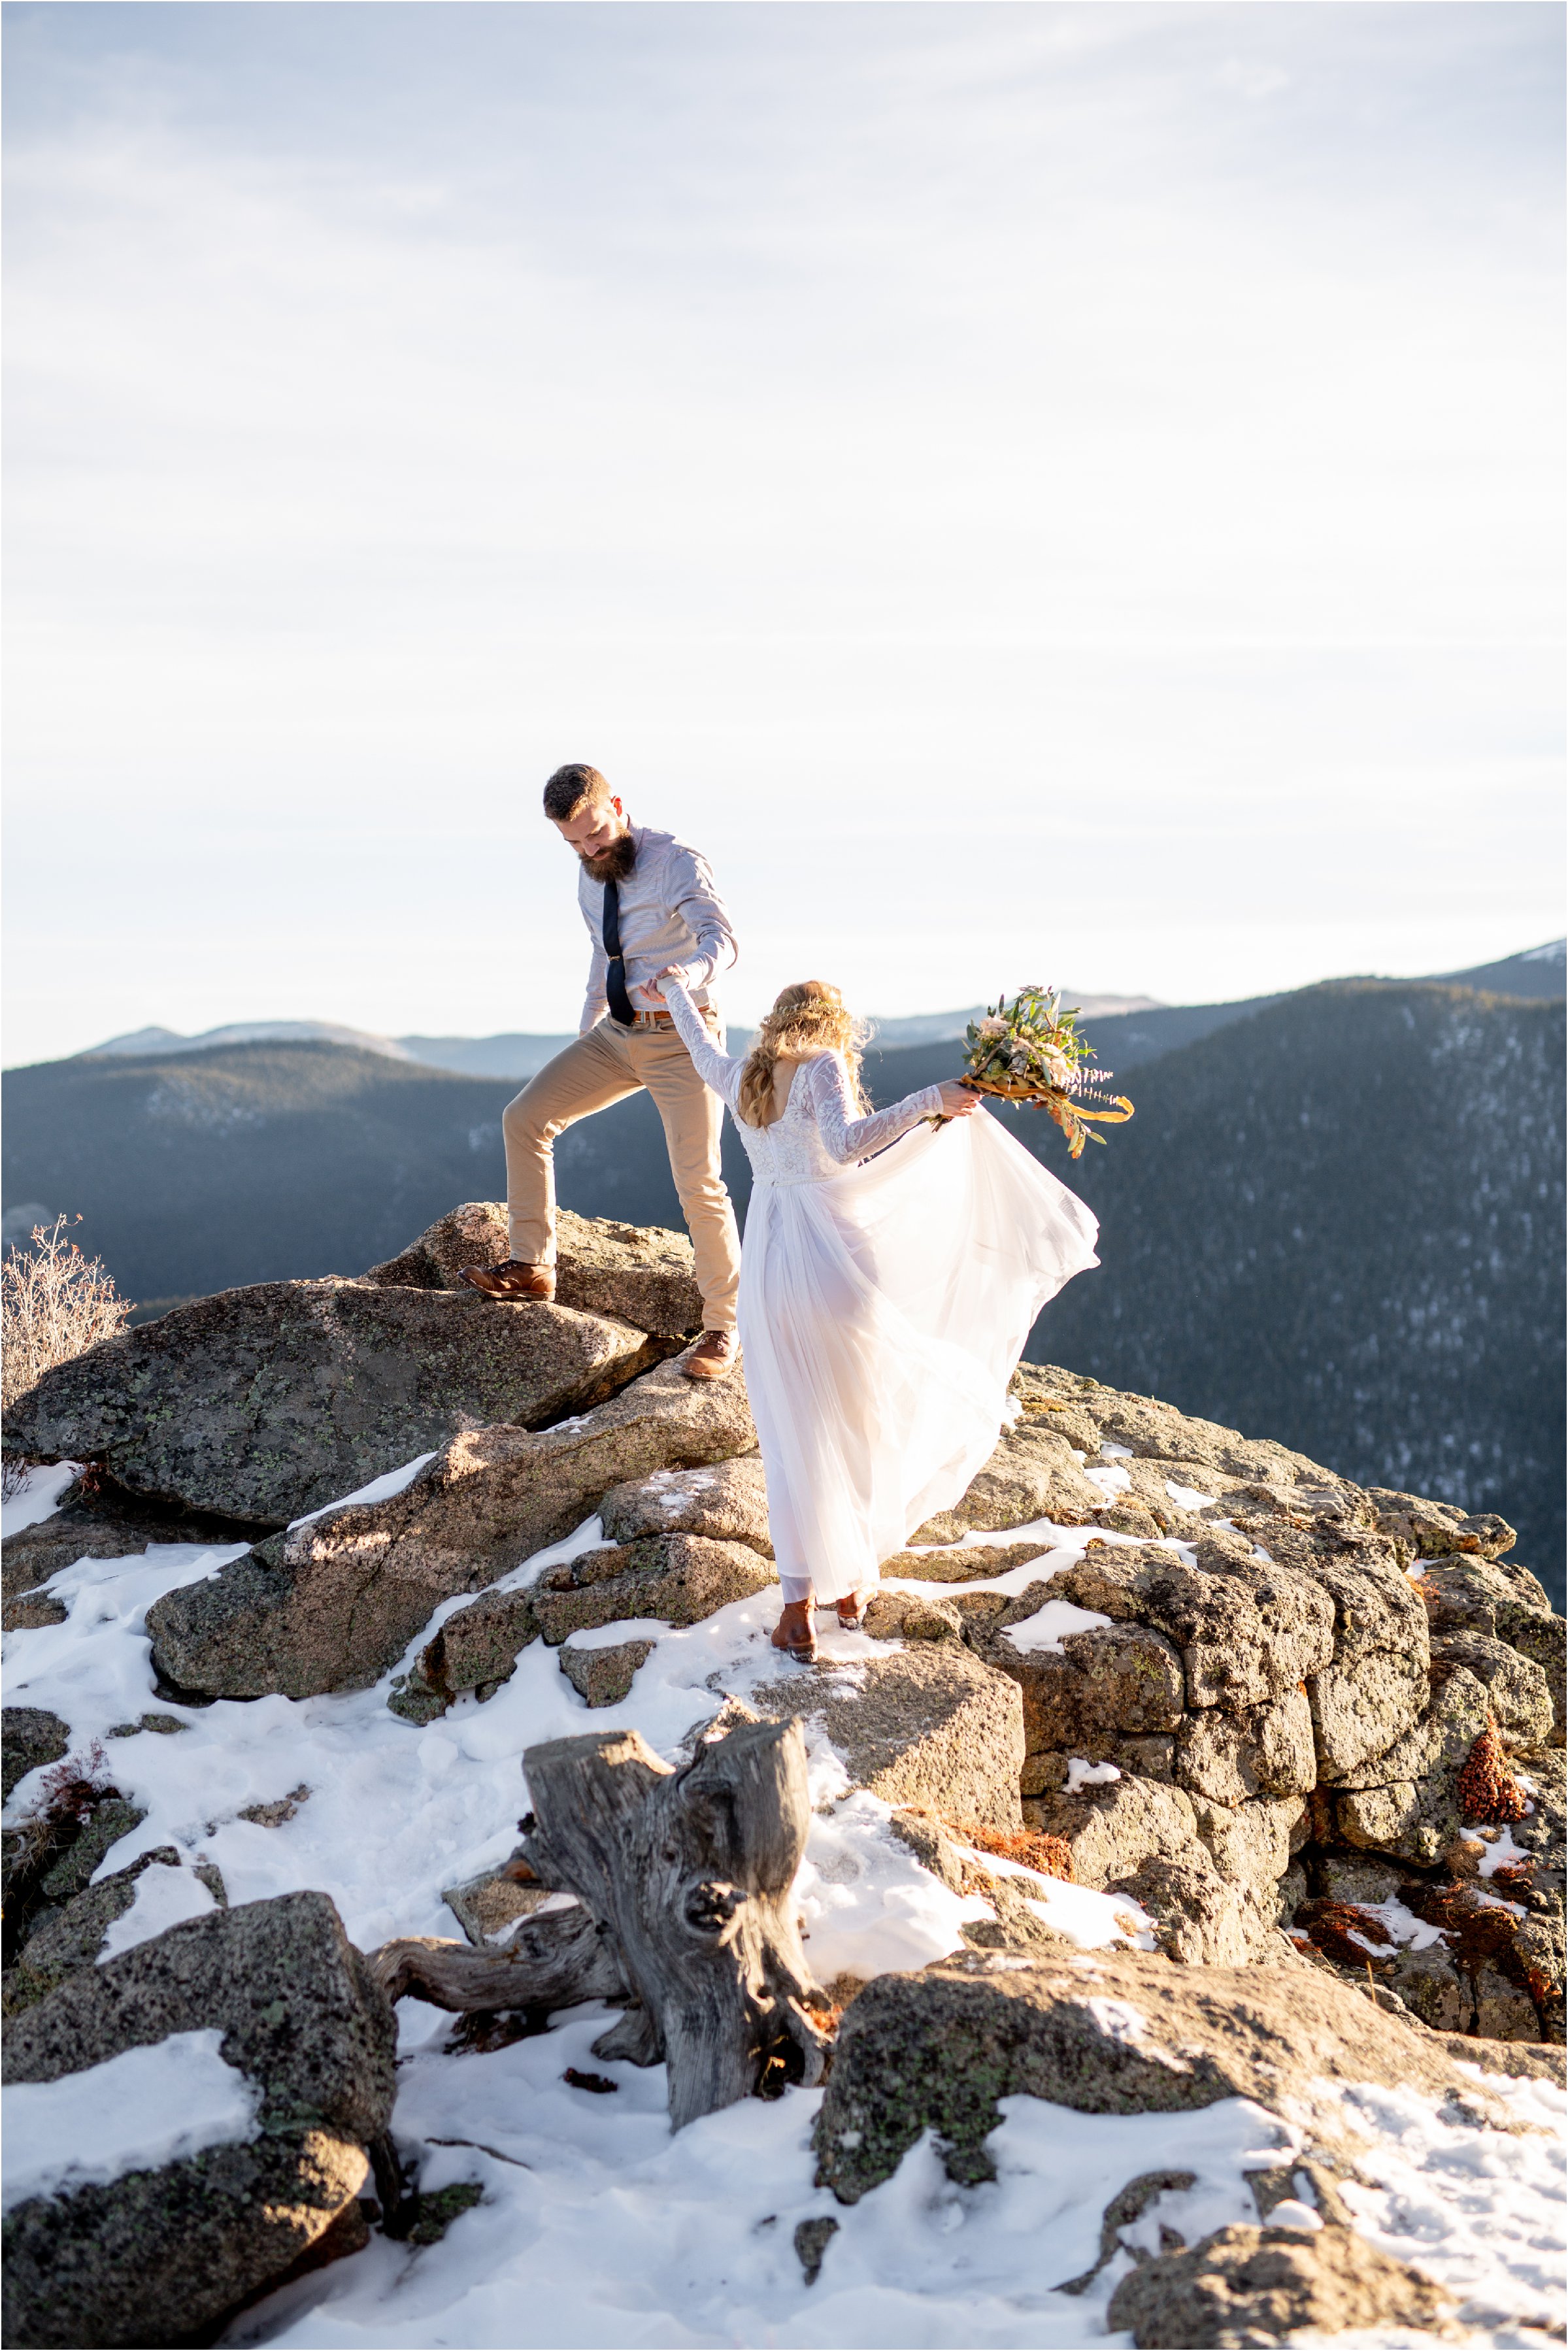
column 727, row 1500
column 333, row 1604
column 1334, row 1682
column 1262, row 1673
column 928, row 1725
column 57, row 1939
column 265, row 1403
column 1274, row 2285
column 157, row 2254
column 29, row 1735
column 603, row 1676
column 639, row 1272
column 678, row 1579
column 1106, row 2035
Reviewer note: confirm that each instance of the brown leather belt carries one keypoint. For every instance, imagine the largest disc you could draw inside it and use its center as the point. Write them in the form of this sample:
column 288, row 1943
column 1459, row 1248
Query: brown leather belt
column 650, row 1020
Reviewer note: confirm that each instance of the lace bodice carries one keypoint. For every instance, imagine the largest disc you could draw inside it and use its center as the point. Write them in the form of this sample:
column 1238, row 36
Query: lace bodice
column 818, row 1136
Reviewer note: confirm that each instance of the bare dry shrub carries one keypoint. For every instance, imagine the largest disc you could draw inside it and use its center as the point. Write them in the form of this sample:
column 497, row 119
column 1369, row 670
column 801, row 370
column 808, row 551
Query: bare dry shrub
column 54, row 1303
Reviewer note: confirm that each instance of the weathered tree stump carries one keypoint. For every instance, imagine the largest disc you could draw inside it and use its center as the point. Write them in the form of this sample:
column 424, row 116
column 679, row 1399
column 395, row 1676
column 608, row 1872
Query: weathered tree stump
column 683, row 1878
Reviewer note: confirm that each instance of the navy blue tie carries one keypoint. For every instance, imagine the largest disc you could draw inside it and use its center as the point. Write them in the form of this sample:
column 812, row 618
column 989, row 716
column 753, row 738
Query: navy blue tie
column 615, row 974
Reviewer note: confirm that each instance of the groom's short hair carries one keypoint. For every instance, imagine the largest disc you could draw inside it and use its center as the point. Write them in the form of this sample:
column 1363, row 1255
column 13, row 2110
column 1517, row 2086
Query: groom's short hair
column 570, row 787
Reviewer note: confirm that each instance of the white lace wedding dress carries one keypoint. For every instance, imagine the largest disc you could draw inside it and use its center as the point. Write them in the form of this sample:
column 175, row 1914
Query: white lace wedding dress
column 884, row 1302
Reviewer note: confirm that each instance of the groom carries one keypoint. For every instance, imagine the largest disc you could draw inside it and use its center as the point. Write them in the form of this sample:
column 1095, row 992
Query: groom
column 648, row 902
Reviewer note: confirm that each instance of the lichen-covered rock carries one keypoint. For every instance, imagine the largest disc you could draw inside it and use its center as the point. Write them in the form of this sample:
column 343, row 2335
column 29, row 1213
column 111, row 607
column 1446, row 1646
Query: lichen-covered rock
column 1200, row 1918
column 1516, row 1687
column 60, row 1939
column 477, row 1649
column 1244, row 2285
column 110, row 1818
column 1032, row 1474
column 678, row 1579
column 973, row 1563
column 1413, row 1813
column 1111, row 1828
column 605, row 1677
column 639, row 1271
column 1433, row 1530
column 268, row 1402
column 489, row 1906
column 29, row 1735
column 1150, row 1429
column 1111, row 1679
column 912, row 1616
column 1262, row 1751
column 157, row 2255
column 1103, row 2033
column 725, row 1499
column 334, row 1604
column 1374, row 1687
column 1248, row 1630
column 928, row 1725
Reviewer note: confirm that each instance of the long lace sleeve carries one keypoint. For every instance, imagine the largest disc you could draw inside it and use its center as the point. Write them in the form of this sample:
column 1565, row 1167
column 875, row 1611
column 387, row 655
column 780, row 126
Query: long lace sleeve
column 719, row 1071
column 849, row 1138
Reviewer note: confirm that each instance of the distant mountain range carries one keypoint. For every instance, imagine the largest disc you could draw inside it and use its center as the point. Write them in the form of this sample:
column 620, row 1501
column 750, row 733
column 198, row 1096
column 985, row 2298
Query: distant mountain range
column 1336, row 1216
column 515, row 1054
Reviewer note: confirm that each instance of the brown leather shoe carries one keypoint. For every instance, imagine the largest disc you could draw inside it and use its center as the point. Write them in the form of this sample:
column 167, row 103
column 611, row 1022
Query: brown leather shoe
column 714, row 1357
column 512, row 1278
column 852, row 1612
column 796, row 1634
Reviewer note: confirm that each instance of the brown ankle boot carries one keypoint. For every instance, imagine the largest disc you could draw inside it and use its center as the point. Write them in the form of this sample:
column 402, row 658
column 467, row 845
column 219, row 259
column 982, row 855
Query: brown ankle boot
column 714, row 1357
column 512, row 1278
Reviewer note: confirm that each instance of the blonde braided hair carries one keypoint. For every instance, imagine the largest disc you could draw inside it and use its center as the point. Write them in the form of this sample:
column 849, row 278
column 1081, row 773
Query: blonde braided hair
column 809, row 1017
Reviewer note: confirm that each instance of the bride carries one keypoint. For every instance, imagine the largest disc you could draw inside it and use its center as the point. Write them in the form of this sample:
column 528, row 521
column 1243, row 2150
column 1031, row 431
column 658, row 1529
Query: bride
column 885, row 1293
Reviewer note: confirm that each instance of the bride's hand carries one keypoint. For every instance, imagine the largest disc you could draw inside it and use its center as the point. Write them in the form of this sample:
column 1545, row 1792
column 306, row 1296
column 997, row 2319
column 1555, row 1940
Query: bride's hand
column 652, row 987
column 958, row 1102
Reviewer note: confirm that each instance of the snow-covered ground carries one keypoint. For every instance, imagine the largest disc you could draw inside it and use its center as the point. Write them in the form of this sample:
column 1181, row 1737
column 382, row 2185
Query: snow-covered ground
column 596, row 2227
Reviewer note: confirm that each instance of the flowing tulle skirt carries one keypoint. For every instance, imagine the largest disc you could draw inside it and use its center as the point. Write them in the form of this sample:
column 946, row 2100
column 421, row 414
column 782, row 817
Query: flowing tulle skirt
column 882, row 1314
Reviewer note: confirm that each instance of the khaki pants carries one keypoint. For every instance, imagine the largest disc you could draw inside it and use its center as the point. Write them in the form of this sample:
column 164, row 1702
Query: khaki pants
column 595, row 1070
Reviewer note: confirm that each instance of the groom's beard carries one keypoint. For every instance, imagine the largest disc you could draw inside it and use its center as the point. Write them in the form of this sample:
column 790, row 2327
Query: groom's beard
column 614, row 863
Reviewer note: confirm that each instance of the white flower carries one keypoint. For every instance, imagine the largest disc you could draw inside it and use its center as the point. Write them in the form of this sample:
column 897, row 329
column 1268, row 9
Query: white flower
column 991, row 1027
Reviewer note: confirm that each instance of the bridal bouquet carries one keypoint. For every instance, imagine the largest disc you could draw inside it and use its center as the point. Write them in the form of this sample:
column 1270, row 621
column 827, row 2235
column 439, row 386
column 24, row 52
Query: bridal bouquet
column 1030, row 1052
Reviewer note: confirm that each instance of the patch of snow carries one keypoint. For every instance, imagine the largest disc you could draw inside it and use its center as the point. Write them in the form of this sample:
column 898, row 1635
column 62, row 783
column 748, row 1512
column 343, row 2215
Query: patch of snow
column 1087, row 1917
column 1110, row 1481
column 145, row 2108
column 1291, row 2213
column 1187, row 1498
column 1081, row 1773
column 164, row 1896
column 615, row 2234
column 1109, row 1452
column 1401, row 1923
column 1047, row 1626
column 1480, row 2210
column 610, row 1636
column 380, row 1489
column 1502, row 1850
column 38, row 1497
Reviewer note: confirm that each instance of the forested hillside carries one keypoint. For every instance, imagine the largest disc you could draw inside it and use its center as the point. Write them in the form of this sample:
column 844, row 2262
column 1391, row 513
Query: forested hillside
column 1338, row 1218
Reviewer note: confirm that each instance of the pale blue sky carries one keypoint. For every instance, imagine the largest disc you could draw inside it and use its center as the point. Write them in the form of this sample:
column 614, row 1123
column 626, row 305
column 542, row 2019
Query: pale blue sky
column 1036, row 492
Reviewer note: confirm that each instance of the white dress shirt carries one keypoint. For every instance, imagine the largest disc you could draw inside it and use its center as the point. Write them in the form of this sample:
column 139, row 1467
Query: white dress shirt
column 671, row 913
